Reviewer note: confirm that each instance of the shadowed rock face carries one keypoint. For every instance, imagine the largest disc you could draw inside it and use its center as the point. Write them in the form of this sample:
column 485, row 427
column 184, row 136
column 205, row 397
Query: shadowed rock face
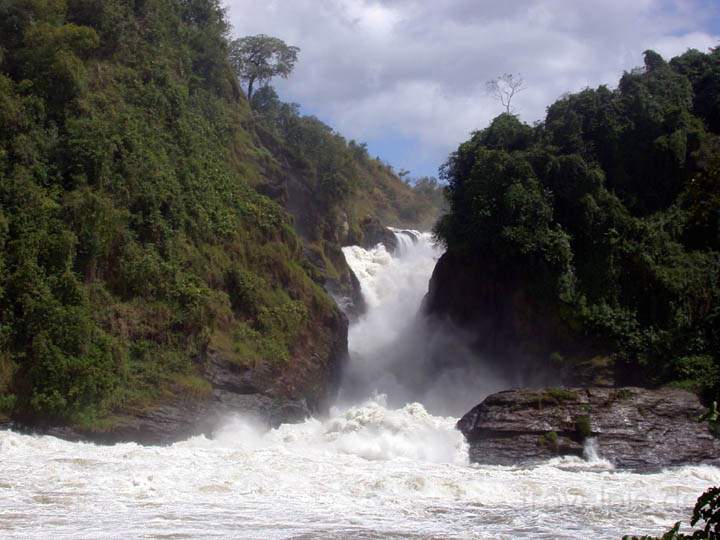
column 513, row 329
column 374, row 233
column 183, row 418
column 634, row 428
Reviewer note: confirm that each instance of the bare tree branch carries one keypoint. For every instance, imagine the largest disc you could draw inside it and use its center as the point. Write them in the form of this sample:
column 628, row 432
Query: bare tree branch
column 504, row 88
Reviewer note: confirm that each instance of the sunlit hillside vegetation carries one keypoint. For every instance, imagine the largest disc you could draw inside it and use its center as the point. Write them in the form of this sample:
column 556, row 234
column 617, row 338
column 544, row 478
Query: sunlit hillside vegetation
column 142, row 208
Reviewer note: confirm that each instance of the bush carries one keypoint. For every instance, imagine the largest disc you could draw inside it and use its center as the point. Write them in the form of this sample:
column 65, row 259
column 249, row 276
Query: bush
column 583, row 429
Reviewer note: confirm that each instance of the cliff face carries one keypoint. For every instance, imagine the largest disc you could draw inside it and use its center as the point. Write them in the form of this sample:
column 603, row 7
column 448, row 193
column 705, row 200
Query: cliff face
column 167, row 249
column 632, row 427
column 512, row 328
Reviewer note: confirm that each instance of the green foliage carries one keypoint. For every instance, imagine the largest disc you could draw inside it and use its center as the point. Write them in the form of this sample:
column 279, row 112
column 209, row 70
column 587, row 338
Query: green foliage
column 331, row 185
column 549, row 439
column 608, row 212
column 257, row 59
column 7, row 403
column 583, row 429
column 131, row 233
column 561, row 394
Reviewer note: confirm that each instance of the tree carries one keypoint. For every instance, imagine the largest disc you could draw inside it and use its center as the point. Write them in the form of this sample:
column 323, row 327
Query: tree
column 257, row 59
column 505, row 87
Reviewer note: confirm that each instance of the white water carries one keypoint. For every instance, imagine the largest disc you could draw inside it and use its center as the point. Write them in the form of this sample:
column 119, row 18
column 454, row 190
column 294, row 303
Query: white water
column 369, row 471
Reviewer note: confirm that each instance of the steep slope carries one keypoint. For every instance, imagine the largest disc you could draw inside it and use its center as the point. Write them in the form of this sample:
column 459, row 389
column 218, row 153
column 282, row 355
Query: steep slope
column 335, row 192
column 140, row 269
column 589, row 244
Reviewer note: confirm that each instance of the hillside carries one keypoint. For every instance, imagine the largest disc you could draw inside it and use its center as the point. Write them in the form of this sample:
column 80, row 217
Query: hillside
column 146, row 248
column 589, row 245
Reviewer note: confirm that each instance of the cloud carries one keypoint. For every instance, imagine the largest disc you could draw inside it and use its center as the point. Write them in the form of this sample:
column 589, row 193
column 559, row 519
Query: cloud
column 414, row 70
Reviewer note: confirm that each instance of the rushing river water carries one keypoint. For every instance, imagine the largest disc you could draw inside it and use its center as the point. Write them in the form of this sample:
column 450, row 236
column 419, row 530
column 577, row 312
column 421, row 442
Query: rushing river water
column 368, row 471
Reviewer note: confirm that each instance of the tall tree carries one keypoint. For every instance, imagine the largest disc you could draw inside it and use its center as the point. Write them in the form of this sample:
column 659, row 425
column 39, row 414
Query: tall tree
column 505, row 87
column 257, row 59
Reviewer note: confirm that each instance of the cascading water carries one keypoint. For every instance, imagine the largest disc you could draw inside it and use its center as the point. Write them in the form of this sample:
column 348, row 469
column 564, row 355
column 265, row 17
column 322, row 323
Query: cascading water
column 369, row 470
column 393, row 288
column 394, row 350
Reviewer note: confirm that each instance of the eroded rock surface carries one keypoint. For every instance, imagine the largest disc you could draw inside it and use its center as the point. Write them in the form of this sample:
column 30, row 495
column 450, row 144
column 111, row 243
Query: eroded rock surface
column 633, row 427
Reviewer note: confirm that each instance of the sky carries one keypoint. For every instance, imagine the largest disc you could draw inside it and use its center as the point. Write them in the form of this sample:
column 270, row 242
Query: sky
column 408, row 77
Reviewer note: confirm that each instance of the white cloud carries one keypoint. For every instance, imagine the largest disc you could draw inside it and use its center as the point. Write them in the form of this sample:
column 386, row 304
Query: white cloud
column 417, row 68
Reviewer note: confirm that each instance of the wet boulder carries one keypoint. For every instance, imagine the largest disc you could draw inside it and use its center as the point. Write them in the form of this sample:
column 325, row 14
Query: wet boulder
column 633, row 428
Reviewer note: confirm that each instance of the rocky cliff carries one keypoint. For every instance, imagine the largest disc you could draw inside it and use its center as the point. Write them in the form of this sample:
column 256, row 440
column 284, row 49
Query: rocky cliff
column 633, row 427
column 512, row 328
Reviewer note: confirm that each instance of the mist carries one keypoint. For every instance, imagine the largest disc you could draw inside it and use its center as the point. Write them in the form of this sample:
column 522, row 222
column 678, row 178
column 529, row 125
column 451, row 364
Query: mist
column 397, row 351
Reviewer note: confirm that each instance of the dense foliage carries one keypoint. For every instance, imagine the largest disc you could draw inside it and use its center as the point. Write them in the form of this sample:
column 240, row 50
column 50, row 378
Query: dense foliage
column 140, row 224
column 611, row 208
column 131, row 236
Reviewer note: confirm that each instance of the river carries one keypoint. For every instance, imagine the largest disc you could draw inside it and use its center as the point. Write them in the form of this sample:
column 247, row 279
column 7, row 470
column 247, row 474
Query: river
column 381, row 466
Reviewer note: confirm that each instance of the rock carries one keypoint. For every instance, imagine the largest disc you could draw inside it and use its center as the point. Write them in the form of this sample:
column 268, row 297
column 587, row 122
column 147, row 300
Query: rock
column 513, row 329
column 634, row 428
column 347, row 294
column 344, row 286
column 234, row 393
column 374, row 233
column 184, row 418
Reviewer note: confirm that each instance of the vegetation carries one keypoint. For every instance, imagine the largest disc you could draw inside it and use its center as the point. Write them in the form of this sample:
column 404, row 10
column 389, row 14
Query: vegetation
column 504, row 88
column 610, row 211
column 133, row 232
column 257, row 59
column 549, row 440
column 583, row 429
column 332, row 185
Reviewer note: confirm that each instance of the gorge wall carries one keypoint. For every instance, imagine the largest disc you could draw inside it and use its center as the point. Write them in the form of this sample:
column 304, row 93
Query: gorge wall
column 164, row 245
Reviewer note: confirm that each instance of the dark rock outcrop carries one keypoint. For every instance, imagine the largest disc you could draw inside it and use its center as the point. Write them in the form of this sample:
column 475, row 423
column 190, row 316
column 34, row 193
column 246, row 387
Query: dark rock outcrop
column 374, row 233
column 633, row 427
column 513, row 328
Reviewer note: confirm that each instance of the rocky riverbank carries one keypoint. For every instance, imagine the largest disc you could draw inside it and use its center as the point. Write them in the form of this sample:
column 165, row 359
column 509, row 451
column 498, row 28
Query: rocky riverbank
column 634, row 428
column 270, row 394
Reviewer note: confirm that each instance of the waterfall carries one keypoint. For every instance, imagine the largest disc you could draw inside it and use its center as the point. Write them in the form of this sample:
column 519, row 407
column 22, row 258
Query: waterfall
column 393, row 287
column 397, row 352
column 406, row 239
column 370, row 469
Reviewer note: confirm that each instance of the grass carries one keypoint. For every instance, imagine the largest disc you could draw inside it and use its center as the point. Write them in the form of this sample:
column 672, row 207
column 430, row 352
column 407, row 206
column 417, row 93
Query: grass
column 193, row 385
column 560, row 394
column 552, row 396
column 549, row 439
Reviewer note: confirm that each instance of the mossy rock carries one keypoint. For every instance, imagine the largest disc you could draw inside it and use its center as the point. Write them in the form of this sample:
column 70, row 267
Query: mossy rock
column 583, row 429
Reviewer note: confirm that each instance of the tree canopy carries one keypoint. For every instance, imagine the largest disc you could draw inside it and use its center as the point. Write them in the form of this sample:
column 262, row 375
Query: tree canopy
column 257, row 59
column 611, row 207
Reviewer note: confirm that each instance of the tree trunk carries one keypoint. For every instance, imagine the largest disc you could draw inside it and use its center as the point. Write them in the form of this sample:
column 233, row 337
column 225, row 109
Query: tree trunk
column 251, row 82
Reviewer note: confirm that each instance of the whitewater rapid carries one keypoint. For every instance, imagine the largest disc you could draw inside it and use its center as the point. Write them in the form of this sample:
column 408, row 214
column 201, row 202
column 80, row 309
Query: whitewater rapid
column 369, row 470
